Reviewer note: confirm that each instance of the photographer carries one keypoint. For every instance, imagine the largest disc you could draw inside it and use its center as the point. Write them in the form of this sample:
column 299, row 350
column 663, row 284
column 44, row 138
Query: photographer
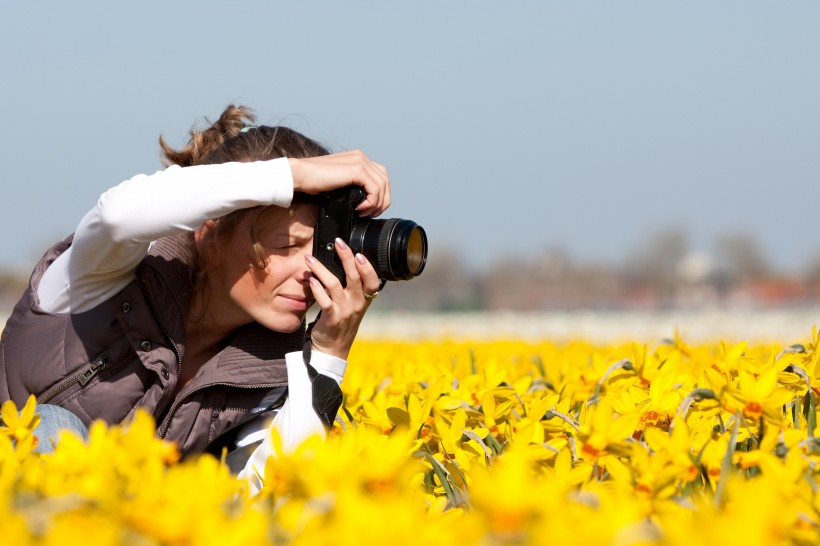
column 185, row 292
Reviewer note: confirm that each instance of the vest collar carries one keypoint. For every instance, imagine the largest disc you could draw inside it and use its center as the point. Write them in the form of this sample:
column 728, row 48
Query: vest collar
column 254, row 355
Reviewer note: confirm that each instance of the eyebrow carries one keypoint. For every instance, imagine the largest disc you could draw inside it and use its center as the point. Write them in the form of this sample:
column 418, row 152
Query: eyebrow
column 288, row 237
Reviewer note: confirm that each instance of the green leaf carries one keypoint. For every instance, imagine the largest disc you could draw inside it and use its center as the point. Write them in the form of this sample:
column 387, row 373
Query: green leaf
column 811, row 417
column 398, row 417
column 476, row 438
column 727, row 465
column 442, row 475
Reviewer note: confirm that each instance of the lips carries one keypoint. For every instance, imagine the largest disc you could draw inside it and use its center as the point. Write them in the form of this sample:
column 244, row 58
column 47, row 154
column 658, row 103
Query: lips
column 298, row 302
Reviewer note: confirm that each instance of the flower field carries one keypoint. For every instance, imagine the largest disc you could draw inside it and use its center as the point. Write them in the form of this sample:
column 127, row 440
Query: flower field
column 470, row 442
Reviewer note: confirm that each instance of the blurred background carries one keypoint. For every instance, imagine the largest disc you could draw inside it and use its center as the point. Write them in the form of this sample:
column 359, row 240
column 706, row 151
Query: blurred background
column 598, row 159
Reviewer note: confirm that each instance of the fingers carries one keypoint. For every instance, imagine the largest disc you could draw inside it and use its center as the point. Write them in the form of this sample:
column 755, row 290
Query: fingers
column 360, row 275
column 320, row 296
column 369, row 277
column 323, row 283
column 343, row 307
column 377, row 186
column 373, row 178
column 319, row 174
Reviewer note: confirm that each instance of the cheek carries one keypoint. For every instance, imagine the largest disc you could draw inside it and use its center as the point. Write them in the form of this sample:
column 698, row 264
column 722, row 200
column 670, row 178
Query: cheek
column 236, row 267
column 258, row 276
column 276, row 273
column 286, row 269
column 246, row 288
column 246, row 283
column 280, row 270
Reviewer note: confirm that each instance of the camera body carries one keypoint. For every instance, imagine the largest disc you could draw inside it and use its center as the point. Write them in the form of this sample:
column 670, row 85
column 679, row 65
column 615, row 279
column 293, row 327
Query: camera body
column 397, row 248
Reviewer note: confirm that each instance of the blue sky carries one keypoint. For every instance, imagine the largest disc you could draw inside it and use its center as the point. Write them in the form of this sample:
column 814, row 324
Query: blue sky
column 508, row 129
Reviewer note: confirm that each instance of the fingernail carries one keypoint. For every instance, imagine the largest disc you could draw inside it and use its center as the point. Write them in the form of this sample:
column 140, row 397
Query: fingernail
column 314, row 282
column 361, row 259
column 310, row 259
column 341, row 244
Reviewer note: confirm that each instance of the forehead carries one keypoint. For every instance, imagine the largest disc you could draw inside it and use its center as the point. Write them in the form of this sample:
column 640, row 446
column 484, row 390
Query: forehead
column 272, row 220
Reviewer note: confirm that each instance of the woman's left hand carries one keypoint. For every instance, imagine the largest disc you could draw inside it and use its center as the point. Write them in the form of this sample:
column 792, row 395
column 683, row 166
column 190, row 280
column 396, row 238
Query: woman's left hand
column 343, row 307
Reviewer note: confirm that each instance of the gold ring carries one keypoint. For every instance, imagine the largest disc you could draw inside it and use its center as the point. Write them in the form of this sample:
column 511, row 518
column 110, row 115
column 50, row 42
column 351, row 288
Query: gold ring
column 371, row 296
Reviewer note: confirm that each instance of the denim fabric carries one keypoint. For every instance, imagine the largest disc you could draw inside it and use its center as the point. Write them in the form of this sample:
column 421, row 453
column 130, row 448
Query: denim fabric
column 53, row 419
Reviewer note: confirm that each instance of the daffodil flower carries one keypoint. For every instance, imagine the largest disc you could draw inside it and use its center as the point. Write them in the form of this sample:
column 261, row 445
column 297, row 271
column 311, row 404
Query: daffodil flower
column 759, row 397
column 19, row 427
column 605, row 432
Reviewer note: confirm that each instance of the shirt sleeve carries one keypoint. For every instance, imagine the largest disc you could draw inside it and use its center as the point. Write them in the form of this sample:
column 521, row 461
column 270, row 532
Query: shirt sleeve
column 295, row 421
column 114, row 236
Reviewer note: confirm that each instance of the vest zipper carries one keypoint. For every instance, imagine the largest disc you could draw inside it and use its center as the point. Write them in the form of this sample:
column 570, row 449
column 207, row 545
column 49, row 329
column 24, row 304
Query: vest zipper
column 180, row 399
column 82, row 376
column 153, row 305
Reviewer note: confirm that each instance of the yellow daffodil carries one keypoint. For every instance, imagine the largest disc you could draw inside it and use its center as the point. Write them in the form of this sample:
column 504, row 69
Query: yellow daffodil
column 469, row 441
column 604, row 432
column 759, row 396
column 19, row 426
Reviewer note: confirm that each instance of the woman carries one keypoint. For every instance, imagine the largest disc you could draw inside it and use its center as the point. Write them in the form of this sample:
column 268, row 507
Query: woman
column 185, row 293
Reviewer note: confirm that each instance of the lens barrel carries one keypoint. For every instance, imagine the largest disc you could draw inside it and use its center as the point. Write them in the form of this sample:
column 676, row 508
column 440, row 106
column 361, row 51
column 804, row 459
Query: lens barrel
column 397, row 248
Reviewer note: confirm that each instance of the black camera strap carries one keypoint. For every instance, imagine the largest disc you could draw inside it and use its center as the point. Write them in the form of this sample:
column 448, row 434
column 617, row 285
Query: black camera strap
column 327, row 395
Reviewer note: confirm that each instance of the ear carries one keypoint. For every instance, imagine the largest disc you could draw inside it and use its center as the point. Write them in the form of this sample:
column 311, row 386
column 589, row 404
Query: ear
column 205, row 241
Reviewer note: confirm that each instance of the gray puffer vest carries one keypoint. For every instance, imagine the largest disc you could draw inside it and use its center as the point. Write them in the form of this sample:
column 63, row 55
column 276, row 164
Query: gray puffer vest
column 126, row 353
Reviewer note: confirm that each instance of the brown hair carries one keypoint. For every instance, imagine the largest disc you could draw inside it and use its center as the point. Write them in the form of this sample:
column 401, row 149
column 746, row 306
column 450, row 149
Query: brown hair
column 234, row 137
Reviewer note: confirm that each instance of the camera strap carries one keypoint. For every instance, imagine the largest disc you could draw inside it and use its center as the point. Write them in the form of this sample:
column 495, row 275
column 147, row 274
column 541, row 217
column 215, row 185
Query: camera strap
column 327, row 395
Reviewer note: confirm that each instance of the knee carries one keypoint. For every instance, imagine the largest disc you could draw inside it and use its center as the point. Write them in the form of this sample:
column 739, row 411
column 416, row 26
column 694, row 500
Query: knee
column 53, row 420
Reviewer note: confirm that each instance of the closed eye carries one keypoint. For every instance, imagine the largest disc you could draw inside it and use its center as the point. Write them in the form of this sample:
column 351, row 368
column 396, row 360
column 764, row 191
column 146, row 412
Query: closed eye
column 286, row 246
column 282, row 249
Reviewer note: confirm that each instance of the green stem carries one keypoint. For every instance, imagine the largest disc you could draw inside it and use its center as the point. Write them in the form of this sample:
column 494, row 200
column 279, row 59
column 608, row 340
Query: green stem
column 726, row 467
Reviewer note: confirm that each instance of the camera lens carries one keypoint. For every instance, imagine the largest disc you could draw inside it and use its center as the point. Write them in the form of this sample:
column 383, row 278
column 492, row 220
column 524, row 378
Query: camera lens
column 397, row 248
column 416, row 250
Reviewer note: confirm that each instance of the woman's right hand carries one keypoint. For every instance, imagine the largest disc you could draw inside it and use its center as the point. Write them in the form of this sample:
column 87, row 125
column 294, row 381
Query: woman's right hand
column 323, row 173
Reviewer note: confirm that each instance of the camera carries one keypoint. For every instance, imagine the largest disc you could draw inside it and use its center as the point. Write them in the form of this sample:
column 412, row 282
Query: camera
column 397, row 248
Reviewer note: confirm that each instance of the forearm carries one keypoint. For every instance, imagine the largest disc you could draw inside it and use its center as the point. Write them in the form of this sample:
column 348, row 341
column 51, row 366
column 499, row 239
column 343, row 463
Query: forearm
column 114, row 236
column 177, row 199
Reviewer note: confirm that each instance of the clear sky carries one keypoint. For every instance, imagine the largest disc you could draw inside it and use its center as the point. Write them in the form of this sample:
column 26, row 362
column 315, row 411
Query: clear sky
column 507, row 127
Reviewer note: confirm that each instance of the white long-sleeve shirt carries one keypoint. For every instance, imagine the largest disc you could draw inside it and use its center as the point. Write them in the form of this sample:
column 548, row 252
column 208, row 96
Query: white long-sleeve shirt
column 114, row 237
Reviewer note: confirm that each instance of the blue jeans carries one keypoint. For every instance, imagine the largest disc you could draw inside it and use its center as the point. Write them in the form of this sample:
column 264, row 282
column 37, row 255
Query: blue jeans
column 53, row 419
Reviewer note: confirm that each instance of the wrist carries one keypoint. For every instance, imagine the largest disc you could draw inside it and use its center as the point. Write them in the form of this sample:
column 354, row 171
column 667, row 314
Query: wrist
column 295, row 172
column 332, row 349
column 336, row 353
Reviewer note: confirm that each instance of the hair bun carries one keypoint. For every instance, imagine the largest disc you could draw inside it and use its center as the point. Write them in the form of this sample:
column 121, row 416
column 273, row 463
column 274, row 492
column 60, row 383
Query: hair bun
column 203, row 142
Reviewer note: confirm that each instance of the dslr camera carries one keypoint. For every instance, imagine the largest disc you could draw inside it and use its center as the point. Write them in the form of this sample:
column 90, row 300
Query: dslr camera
column 397, row 248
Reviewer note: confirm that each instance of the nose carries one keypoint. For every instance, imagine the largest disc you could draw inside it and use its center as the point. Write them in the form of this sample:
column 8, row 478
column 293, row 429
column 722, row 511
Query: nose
column 299, row 268
column 302, row 271
column 304, row 274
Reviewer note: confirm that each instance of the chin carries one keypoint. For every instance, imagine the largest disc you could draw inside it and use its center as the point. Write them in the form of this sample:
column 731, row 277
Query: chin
column 300, row 326
column 284, row 325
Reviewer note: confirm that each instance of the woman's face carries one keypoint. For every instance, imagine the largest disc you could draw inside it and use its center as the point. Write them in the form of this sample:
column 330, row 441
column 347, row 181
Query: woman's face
column 277, row 296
